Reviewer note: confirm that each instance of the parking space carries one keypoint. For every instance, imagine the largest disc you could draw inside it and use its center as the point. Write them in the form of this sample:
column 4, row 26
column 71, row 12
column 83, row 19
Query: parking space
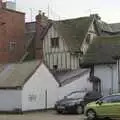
column 51, row 115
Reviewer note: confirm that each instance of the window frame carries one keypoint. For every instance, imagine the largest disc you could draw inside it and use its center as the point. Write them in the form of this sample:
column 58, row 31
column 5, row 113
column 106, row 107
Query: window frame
column 88, row 38
column 54, row 42
column 112, row 100
column 12, row 45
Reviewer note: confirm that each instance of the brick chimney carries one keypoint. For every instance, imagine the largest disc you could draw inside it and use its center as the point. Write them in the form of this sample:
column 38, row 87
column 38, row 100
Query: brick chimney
column 41, row 24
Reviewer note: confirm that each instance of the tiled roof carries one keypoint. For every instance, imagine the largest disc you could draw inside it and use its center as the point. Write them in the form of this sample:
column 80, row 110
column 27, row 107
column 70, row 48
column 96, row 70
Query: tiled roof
column 115, row 27
column 15, row 75
column 66, row 77
column 73, row 31
column 30, row 27
column 102, row 50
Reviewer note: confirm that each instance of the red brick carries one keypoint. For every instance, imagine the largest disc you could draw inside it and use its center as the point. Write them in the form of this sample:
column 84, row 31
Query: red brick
column 12, row 28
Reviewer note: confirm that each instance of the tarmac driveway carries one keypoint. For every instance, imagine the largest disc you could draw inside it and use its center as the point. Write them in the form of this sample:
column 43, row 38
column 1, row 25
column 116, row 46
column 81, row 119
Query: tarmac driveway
column 51, row 115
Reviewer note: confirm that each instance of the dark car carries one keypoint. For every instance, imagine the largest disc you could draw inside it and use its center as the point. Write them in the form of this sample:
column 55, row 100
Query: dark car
column 76, row 101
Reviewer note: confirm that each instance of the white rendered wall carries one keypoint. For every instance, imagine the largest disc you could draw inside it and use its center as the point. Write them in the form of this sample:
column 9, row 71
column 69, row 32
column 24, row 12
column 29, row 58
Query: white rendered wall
column 105, row 72
column 33, row 95
column 10, row 100
column 79, row 84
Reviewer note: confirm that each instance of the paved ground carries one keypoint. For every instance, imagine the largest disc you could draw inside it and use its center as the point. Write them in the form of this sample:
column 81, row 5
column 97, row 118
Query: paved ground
column 51, row 115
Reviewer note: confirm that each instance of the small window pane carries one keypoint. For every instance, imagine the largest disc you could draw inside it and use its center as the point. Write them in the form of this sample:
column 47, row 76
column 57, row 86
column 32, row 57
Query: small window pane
column 116, row 98
column 12, row 46
column 88, row 38
column 107, row 99
column 55, row 42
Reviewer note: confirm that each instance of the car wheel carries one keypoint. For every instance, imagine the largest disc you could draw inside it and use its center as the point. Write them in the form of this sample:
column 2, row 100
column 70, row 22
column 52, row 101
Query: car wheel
column 59, row 112
column 79, row 109
column 91, row 115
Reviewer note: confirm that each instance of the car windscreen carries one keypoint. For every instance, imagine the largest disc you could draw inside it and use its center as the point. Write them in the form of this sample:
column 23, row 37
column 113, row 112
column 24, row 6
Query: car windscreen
column 92, row 95
column 76, row 95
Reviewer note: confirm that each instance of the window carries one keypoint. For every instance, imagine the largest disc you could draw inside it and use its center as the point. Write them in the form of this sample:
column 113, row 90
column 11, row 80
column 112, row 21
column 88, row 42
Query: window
column 32, row 98
column 55, row 67
column 12, row 45
column 76, row 95
column 106, row 99
column 116, row 98
column 109, row 99
column 88, row 38
column 55, row 42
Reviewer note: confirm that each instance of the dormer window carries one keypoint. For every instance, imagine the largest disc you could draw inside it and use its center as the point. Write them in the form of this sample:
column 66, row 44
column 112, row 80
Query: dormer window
column 88, row 38
column 55, row 42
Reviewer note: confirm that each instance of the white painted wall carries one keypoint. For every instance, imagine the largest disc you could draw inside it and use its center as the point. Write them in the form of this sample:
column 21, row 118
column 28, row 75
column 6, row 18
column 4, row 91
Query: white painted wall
column 10, row 100
column 104, row 72
column 80, row 84
column 33, row 94
column 58, row 56
column 93, row 34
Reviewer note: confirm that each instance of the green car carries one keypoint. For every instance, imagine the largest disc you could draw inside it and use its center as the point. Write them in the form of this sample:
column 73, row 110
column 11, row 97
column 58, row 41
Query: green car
column 106, row 107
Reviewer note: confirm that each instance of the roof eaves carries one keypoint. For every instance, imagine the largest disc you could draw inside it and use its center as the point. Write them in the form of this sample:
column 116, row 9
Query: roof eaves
column 31, row 74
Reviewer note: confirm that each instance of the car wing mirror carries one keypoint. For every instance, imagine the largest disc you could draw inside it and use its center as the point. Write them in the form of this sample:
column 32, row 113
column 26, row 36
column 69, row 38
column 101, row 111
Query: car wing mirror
column 99, row 102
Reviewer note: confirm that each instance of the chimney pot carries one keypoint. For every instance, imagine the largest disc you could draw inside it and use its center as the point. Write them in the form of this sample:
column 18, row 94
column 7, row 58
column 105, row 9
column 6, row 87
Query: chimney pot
column 39, row 17
column 39, row 12
column 43, row 14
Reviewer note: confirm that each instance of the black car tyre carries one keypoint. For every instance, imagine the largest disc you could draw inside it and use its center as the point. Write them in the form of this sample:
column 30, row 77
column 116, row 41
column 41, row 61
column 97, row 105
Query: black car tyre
column 59, row 112
column 91, row 115
column 79, row 109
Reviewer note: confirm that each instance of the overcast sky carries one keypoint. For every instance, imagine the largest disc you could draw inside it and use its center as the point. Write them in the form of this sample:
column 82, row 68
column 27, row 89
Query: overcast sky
column 109, row 10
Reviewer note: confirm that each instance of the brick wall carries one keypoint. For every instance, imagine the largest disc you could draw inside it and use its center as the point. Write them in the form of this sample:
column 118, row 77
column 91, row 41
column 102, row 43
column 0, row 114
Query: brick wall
column 41, row 26
column 12, row 28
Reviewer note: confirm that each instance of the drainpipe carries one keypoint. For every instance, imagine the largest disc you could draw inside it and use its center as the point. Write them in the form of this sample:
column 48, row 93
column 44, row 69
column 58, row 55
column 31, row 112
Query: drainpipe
column 111, row 68
column 118, row 71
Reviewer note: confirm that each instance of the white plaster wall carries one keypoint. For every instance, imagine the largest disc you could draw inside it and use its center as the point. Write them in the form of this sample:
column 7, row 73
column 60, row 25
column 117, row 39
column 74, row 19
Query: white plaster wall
column 92, row 32
column 79, row 84
column 104, row 72
column 58, row 56
column 47, row 42
column 10, row 100
column 36, row 86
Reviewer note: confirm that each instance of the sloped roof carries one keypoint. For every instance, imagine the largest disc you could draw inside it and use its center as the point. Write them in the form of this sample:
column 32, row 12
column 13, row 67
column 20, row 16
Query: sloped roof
column 73, row 31
column 28, row 38
column 66, row 77
column 30, row 27
column 15, row 75
column 30, row 31
column 115, row 27
column 102, row 50
column 106, row 29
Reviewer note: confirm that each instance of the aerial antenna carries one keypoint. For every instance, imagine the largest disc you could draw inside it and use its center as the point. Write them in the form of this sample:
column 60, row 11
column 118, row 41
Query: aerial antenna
column 48, row 10
column 90, row 11
column 31, row 14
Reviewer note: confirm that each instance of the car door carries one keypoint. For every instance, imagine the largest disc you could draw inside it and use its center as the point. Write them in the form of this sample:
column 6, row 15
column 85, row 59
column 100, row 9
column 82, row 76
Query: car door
column 115, row 103
column 104, row 107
